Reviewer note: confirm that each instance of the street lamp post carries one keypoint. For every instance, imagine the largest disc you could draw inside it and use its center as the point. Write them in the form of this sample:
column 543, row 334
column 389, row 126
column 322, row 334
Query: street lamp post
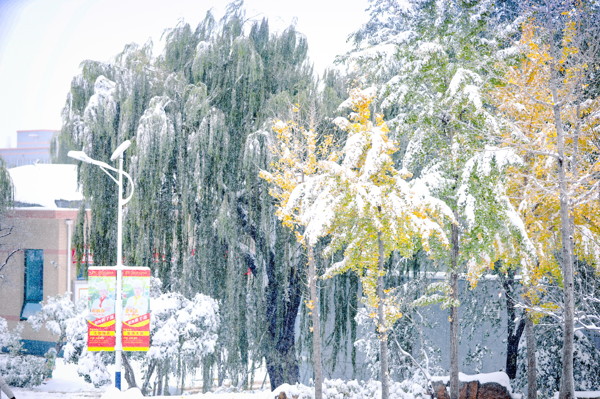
column 118, row 153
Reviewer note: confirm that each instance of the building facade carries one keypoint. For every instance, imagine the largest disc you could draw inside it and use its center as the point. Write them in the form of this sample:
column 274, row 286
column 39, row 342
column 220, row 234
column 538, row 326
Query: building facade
column 39, row 247
column 33, row 146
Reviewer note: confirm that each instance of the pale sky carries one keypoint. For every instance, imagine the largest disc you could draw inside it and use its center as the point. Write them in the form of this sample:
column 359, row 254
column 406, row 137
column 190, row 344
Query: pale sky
column 42, row 42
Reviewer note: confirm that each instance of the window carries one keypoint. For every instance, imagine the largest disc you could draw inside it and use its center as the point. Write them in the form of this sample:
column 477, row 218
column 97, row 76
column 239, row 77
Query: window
column 34, row 282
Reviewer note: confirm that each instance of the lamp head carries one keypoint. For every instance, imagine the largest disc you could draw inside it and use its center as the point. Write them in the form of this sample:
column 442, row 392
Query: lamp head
column 120, row 150
column 79, row 156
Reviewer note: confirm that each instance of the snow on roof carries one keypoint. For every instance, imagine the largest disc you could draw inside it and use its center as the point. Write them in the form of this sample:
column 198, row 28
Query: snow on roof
column 41, row 185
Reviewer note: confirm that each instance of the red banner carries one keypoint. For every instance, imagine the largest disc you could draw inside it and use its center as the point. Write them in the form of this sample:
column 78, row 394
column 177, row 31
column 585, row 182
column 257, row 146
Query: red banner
column 101, row 305
column 136, row 333
column 136, row 309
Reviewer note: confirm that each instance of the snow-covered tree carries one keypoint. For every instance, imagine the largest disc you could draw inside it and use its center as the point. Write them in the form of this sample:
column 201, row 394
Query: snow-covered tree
column 548, row 340
column 368, row 210
column 553, row 123
column 10, row 340
column 200, row 217
column 18, row 369
column 438, row 67
column 91, row 366
column 6, row 199
column 55, row 316
column 6, row 190
column 183, row 333
column 296, row 158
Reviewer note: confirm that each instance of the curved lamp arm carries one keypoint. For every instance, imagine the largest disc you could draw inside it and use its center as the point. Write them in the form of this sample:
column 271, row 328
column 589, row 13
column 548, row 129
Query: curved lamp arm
column 105, row 166
column 83, row 157
column 126, row 200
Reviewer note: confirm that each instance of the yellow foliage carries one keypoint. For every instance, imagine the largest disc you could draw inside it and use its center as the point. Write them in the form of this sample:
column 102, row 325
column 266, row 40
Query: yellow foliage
column 359, row 229
column 310, row 304
column 528, row 104
column 296, row 156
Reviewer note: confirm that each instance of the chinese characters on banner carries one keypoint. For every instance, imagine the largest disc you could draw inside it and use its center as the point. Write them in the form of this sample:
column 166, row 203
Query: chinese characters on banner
column 101, row 304
column 136, row 308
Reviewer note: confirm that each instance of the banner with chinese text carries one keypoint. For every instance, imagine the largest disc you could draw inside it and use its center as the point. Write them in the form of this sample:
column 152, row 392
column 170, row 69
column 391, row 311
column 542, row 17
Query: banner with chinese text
column 136, row 309
column 102, row 283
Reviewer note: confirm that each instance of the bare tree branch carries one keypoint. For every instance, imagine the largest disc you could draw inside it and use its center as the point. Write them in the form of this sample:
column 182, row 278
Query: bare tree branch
column 10, row 255
column 6, row 231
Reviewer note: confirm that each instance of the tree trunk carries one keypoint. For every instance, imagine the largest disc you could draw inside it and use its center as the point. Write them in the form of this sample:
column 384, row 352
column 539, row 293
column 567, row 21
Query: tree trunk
column 514, row 331
column 531, row 366
column 62, row 340
column 279, row 345
column 316, row 323
column 567, row 385
column 159, row 379
column 383, row 334
column 282, row 303
column 207, row 375
column 129, row 374
column 454, row 383
column 512, row 349
column 181, row 374
column 165, row 386
column 147, row 377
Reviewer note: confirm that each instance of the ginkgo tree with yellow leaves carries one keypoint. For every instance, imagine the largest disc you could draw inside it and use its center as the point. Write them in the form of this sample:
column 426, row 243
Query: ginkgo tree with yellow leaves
column 360, row 201
column 439, row 58
column 553, row 123
column 296, row 159
column 368, row 210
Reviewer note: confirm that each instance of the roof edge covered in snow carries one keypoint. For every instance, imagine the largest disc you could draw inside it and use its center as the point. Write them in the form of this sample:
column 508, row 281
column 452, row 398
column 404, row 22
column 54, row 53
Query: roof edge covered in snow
column 46, row 186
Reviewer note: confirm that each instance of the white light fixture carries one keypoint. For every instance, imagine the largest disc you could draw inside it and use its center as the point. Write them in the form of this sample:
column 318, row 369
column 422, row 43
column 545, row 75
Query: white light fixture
column 120, row 150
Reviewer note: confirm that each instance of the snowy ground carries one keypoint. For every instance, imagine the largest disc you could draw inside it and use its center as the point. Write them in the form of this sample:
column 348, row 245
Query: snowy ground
column 64, row 384
column 67, row 384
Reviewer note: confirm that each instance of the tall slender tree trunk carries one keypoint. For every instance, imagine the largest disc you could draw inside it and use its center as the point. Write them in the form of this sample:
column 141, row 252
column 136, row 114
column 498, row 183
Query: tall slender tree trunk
column 382, row 330
column 513, row 330
column 531, row 364
column 316, row 323
column 512, row 349
column 207, row 375
column 454, row 322
column 567, row 385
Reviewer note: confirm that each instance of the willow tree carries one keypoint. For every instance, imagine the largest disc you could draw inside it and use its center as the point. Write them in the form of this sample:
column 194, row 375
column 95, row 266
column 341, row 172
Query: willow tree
column 6, row 189
column 553, row 124
column 200, row 217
